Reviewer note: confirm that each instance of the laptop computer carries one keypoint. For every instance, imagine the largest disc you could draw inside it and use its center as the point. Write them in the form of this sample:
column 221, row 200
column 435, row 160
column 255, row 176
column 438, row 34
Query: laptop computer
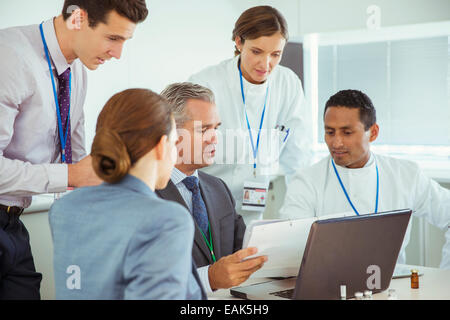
column 359, row 252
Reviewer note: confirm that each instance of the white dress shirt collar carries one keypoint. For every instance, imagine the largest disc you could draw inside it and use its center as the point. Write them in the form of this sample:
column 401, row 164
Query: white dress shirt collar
column 56, row 55
column 177, row 176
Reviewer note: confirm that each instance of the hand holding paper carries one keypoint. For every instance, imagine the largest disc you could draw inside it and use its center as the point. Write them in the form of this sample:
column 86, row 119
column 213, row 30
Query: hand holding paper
column 283, row 241
column 232, row 270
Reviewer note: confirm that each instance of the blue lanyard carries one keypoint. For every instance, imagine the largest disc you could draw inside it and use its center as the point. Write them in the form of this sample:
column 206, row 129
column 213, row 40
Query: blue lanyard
column 62, row 137
column 255, row 150
column 345, row 191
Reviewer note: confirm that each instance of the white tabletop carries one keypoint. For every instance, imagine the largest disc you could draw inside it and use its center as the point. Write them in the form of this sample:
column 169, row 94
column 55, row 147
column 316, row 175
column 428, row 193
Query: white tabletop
column 434, row 284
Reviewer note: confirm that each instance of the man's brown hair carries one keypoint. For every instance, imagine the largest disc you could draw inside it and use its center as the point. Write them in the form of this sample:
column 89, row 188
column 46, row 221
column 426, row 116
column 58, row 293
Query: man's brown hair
column 134, row 10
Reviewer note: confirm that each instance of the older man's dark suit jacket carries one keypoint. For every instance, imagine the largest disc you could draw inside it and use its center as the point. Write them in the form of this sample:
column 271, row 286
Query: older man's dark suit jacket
column 227, row 227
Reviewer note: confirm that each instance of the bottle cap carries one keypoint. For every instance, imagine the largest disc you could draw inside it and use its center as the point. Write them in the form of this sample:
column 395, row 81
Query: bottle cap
column 367, row 293
column 414, row 271
column 358, row 294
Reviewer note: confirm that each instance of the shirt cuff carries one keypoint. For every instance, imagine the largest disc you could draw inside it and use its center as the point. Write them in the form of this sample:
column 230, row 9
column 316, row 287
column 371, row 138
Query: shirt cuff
column 204, row 278
column 58, row 178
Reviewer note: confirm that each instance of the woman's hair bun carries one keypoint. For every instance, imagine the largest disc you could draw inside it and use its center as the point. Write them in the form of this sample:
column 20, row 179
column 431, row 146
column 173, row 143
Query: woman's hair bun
column 110, row 158
column 130, row 125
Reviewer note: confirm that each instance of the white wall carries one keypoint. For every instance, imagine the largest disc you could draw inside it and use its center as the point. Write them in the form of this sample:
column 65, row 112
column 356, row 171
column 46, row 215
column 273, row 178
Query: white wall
column 339, row 15
column 181, row 37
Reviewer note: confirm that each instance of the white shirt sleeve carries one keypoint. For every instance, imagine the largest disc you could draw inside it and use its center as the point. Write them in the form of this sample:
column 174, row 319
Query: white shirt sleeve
column 432, row 202
column 19, row 178
column 445, row 261
column 300, row 201
column 203, row 274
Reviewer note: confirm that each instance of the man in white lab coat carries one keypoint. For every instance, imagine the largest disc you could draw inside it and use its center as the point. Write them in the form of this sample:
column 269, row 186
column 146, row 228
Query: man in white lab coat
column 353, row 179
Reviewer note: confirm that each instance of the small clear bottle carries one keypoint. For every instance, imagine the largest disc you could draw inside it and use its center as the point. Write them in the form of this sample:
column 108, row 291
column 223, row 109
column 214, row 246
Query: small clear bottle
column 368, row 295
column 359, row 295
column 392, row 294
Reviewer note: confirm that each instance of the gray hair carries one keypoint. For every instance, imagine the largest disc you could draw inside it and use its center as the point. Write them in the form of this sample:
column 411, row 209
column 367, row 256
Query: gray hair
column 177, row 94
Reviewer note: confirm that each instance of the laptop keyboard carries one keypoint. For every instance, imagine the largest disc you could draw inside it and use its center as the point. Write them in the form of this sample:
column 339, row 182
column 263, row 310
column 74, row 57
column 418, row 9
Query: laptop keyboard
column 288, row 294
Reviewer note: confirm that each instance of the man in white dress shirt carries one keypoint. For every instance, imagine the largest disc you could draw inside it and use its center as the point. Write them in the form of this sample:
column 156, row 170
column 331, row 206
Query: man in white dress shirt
column 355, row 180
column 42, row 91
column 219, row 230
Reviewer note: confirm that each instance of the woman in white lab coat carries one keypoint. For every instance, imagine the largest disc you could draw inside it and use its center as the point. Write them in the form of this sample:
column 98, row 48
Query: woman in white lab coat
column 266, row 130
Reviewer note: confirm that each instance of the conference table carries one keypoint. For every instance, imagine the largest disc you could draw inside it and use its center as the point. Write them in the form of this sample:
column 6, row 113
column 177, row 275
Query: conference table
column 434, row 284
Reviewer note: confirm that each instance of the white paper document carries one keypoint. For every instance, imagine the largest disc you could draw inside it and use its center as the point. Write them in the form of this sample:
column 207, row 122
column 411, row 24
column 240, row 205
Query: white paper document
column 283, row 242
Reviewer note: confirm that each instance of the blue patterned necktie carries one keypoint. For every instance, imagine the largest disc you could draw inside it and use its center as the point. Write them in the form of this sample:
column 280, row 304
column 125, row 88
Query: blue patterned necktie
column 64, row 105
column 198, row 205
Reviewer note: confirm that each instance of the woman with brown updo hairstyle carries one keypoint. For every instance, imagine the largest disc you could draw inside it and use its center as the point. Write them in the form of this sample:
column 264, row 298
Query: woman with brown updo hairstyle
column 262, row 104
column 119, row 240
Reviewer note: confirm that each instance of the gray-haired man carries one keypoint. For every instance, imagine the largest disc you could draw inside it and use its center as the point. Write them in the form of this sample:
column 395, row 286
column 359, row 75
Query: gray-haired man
column 219, row 229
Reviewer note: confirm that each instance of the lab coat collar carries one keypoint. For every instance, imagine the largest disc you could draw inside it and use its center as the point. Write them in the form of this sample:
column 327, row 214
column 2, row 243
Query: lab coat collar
column 367, row 167
column 56, row 55
column 248, row 86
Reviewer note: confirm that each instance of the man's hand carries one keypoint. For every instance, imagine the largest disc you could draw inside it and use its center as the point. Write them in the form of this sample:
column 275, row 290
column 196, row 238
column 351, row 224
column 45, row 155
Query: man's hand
column 82, row 174
column 231, row 271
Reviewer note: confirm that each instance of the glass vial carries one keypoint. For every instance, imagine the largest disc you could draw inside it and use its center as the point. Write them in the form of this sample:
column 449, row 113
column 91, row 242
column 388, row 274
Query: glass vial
column 368, row 295
column 392, row 294
column 414, row 279
column 358, row 295
column 343, row 292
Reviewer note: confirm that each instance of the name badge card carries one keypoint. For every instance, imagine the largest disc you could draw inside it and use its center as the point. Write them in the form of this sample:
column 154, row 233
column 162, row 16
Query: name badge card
column 254, row 196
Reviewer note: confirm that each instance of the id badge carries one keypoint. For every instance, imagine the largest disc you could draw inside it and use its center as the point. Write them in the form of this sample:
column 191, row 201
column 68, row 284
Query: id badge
column 254, row 196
